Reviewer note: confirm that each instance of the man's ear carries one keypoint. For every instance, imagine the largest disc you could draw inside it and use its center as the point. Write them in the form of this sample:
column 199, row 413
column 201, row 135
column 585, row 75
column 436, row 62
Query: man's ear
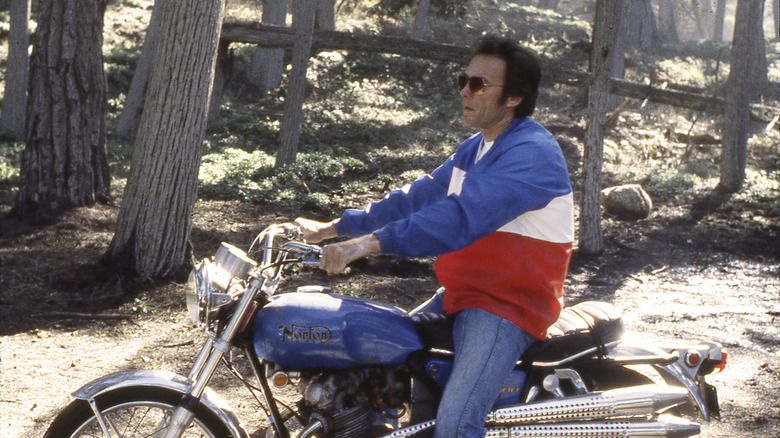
column 513, row 101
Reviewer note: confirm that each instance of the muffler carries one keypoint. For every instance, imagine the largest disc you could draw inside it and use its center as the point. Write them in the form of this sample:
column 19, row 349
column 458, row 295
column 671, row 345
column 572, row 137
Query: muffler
column 662, row 426
column 634, row 400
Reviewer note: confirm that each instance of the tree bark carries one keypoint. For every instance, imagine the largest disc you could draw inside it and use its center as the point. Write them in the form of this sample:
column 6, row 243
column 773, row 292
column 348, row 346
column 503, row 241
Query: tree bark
column 617, row 49
column 667, row 20
column 153, row 226
column 720, row 19
column 776, row 15
column 548, row 4
column 750, row 14
column 303, row 22
column 65, row 162
column 325, row 18
column 18, row 66
column 135, row 95
column 267, row 64
column 608, row 16
column 639, row 28
column 420, row 19
column 703, row 14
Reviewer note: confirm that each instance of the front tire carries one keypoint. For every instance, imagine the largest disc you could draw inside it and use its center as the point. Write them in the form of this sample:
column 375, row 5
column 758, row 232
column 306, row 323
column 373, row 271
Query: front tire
column 130, row 413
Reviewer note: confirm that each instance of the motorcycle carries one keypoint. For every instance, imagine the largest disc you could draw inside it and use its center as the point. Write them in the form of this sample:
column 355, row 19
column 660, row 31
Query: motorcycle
column 363, row 369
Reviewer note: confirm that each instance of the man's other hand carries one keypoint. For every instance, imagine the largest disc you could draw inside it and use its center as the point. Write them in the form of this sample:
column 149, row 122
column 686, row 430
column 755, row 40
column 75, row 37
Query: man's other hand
column 337, row 256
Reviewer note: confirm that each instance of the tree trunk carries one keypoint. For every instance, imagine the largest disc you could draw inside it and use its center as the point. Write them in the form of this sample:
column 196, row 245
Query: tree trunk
column 720, row 19
column 65, row 162
column 616, row 56
column 153, row 226
column 667, row 20
column 703, row 14
column 548, row 4
column 18, row 67
column 325, row 18
column 303, row 22
column 608, row 16
column 267, row 64
column 126, row 122
column 420, row 19
column 749, row 15
column 639, row 28
column 776, row 15
column 222, row 74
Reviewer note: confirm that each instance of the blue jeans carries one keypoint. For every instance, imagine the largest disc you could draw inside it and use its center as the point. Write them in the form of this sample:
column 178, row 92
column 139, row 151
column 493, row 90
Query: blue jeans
column 486, row 350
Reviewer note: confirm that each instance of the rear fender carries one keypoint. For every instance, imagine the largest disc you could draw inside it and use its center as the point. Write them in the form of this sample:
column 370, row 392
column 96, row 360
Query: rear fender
column 162, row 379
column 676, row 373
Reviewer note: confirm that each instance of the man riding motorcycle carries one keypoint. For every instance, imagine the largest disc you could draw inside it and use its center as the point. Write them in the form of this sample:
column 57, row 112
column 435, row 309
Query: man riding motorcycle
column 498, row 213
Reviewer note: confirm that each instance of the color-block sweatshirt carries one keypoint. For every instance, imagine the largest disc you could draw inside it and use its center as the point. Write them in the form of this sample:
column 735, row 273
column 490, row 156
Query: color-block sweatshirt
column 502, row 226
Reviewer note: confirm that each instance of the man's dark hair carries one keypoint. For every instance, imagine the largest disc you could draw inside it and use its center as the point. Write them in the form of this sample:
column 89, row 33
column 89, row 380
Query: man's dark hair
column 523, row 71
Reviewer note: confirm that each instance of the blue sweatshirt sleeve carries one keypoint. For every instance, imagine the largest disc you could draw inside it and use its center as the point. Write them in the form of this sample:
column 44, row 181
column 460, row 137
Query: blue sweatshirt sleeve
column 397, row 204
column 522, row 178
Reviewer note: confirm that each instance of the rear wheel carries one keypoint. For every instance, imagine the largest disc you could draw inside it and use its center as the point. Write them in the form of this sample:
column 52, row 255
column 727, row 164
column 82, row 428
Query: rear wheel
column 132, row 413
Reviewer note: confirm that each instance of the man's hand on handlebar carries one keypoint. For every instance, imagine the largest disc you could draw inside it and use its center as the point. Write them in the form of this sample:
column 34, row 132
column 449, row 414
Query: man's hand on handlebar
column 315, row 231
column 337, row 256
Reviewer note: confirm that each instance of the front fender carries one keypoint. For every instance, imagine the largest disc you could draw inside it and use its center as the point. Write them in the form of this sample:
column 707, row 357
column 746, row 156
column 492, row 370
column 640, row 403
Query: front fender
column 162, row 379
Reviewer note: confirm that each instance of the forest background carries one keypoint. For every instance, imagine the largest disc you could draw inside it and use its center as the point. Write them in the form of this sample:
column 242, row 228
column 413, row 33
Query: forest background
column 372, row 122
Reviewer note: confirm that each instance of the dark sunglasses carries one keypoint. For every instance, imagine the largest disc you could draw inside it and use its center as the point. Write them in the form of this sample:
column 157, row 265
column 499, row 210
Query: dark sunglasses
column 475, row 83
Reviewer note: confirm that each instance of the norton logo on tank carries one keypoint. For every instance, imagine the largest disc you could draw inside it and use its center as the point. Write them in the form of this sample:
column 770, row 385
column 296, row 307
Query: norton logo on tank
column 301, row 333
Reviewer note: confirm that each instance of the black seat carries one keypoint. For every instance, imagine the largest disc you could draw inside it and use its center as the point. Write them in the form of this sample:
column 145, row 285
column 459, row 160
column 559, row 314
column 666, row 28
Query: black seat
column 580, row 327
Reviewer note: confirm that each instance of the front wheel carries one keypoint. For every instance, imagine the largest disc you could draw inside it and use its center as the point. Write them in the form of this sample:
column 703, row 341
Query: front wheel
column 132, row 413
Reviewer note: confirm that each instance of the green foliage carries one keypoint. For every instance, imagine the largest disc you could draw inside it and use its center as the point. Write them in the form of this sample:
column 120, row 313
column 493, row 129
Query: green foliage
column 11, row 147
column 761, row 186
column 666, row 183
column 119, row 64
column 142, row 305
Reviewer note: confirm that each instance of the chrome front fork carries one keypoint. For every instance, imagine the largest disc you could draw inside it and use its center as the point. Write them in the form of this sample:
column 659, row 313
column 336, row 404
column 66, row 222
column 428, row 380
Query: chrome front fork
column 206, row 364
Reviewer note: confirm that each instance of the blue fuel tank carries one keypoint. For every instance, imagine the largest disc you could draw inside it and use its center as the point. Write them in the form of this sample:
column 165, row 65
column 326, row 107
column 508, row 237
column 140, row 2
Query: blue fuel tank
column 318, row 330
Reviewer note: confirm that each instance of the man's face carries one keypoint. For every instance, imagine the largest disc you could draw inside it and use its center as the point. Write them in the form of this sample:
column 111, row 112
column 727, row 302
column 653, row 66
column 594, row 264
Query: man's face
column 482, row 109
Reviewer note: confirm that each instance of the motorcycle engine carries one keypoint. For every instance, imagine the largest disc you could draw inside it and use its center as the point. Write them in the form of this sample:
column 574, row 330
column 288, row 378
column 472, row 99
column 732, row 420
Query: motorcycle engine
column 348, row 403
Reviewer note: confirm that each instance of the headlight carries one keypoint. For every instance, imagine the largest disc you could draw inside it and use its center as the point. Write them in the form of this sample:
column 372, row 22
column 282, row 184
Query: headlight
column 206, row 292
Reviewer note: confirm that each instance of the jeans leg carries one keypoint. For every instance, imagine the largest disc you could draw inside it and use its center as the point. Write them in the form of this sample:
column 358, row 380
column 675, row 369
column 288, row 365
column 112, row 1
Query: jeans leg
column 486, row 349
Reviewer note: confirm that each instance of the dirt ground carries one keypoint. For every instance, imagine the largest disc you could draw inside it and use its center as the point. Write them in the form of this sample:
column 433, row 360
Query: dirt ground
column 680, row 277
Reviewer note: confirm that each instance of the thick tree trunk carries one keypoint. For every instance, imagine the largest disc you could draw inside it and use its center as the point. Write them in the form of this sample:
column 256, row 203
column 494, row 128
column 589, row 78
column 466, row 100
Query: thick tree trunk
column 303, row 22
column 65, row 162
column 135, row 96
column 153, row 226
column 267, row 64
column 750, row 14
column 605, row 34
column 18, row 66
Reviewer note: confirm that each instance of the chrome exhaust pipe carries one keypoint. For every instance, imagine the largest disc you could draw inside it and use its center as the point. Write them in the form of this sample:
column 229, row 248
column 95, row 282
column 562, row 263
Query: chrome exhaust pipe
column 662, row 426
column 644, row 400
column 635, row 400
